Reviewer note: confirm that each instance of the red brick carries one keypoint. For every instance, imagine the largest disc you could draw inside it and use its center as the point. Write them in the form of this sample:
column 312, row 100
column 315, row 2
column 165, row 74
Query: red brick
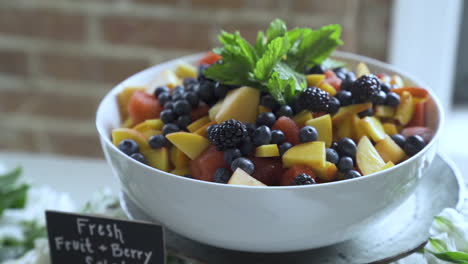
column 89, row 68
column 74, row 144
column 321, row 7
column 43, row 23
column 13, row 100
column 156, row 33
column 228, row 4
column 13, row 62
column 17, row 139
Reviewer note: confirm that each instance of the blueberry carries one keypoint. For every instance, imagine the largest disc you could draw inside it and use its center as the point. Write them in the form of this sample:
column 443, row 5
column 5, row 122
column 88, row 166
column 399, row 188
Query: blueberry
column 334, row 145
column 379, row 98
column 347, row 147
column 158, row 141
column 284, row 110
column 243, row 163
column 164, row 97
column 139, row 157
column 367, row 112
column 183, row 121
column 182, row 107
column 399, row 139
column 177, row 97
column 168, row 116
column 170, row 128
column 206, row 90
column 308, row 134
column 231, row 154
column 220, row 91
column 351, row 174
column 350, row 76
column 261, row 136
column 340, row 72
column 268, row 101
column 317, row 69
column 332, row 156
column 413, row 145
column 169, row 105
column 266, row 119
column 192, row 98
column 250, row 128
column 246, row 147
column 284, row 147
column 160, row 89
column 178, row 90
column 333, row 105
column 345, row 97
column 128, row 146
column 189, row 82
column 222, row 175
column 385, row 87
column 345, row 164
column 346, row 85
column 393, row 99
column 277, row 137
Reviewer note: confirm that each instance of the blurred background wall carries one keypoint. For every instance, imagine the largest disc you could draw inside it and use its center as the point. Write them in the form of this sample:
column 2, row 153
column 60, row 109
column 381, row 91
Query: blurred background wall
column 59, row 57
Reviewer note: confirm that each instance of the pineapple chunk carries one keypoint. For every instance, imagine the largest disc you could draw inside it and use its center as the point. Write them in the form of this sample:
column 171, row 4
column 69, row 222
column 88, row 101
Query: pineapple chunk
column 390, row 151
column 158, row 158
column 120, row 134
column 195, row 125
column 362, row 69
column 240, row 104
column 384, row 111
column 314, row 79
column 404, row 112
column 189, row 143
column 373, row 128
column 240, row 177
column 349, row 110
column 264, row 151
column 387, row 165
column 303, row 117
column 390, row 129
column 311, row 154
column 367, row 157
column 323, row 125
column 327, row 88
column 185, row 70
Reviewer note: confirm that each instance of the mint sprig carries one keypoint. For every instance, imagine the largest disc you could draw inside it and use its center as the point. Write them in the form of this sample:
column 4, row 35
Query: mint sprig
column 278, row 60
column 12, row 193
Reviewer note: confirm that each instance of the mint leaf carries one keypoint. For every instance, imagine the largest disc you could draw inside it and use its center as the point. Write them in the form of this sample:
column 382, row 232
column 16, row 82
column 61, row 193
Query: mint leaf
column 273, row 54
column 260, row 43
column 276, row 29
column 9, row 178
column 12, row 194
column 284, row 83
column 329, row 63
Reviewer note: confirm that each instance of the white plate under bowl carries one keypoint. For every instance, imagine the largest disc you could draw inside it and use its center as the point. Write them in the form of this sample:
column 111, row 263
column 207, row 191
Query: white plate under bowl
column 399, row 234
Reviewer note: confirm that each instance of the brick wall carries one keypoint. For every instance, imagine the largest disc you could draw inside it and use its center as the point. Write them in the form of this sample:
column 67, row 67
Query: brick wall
column 59, row 57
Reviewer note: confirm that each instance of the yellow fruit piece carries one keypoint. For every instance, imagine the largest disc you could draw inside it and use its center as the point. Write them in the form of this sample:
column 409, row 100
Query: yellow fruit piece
column 189, row 143
column 349, row 110
column 396, row 81
column 417, row 100
column 303, row 117
column 128, row 123
column 120, row 134
column 150, row 124
column 164, row 78
column 263, row 109
column 181, row 171
column 314, row 79
column 390, row 128
column 373, row 128
column 327, row 88
column 405, row 110
column 185, row 70
column 264, row 151
column 384, row 79
column 202, row 130
column 384, row 111
column 327, row 173
column 158, row 158
column 390, row 151
column 195, row 125
column 123, row 98
column 240, row 177
column 311, row 154
column 362, row 69
column 387, row 166
column 358, row 129
column 214, row 110
column 367, row 157
column 151, row 132
column 323, row 125
column 178, row 158
column 344, row 128
column 240, row 104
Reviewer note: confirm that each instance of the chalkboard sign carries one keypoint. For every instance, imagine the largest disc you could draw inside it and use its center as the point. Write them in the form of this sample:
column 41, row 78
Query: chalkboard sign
column 85, row 239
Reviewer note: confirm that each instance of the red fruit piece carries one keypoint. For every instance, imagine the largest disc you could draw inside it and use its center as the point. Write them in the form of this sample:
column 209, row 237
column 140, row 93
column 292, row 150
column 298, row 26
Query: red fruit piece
column 205, row 165
column 333, row 80
column 143, row 106
column 418, row 116
column 210, row 58
column 288, row 176
column 289, row 128
column 424, row 132
column 268, row 170
column 199, row 112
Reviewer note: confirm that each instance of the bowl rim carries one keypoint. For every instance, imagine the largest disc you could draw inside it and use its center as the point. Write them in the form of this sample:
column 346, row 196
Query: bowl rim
column 337, row 54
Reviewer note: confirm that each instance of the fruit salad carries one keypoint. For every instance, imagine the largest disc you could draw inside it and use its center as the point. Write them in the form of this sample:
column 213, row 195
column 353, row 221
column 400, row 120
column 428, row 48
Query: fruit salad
column 278, row 112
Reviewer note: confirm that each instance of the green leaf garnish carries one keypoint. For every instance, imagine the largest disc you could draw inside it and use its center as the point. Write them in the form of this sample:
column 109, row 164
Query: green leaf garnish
column 12, row 194
column 278, row 60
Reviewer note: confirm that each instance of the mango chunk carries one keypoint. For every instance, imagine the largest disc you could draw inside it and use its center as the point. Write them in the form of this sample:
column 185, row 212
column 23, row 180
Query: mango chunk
column 158, row 158
column 195, row 125
column 323, row 125
column 384, row 111
column 358, row 129
column 263, row 109
column 181, row 171
column 120, row 134
column 349, row 110
column 240, row 177
column 185, row 70
column 362, row 69
column 327, row 173
column 214, row 110
column 390, row 129
column 164, row 78
column 303, row 117
column 367, row 157
column 314, row 79
column 390, row 151
column 151, row 132
column 264, row 151
column 128, row 123
column 405, row 110
column 387, row 165
column 327, row 88
column 202, row 130
column 150, row 124
column 311, row 154
column 123, row 98
column 240, row 104
column 189, row 143
column 178, row 158
column 373, row 128
column 344, row 128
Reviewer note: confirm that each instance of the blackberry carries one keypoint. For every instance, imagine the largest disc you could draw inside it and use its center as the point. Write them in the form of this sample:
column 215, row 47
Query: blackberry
column 365, row 88
column 228, row 134
column 314, row 99
column 303, row 179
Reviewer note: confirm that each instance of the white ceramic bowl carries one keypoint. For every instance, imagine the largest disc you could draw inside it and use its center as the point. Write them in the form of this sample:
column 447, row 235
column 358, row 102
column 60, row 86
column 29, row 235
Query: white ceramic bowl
column 264, row 219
